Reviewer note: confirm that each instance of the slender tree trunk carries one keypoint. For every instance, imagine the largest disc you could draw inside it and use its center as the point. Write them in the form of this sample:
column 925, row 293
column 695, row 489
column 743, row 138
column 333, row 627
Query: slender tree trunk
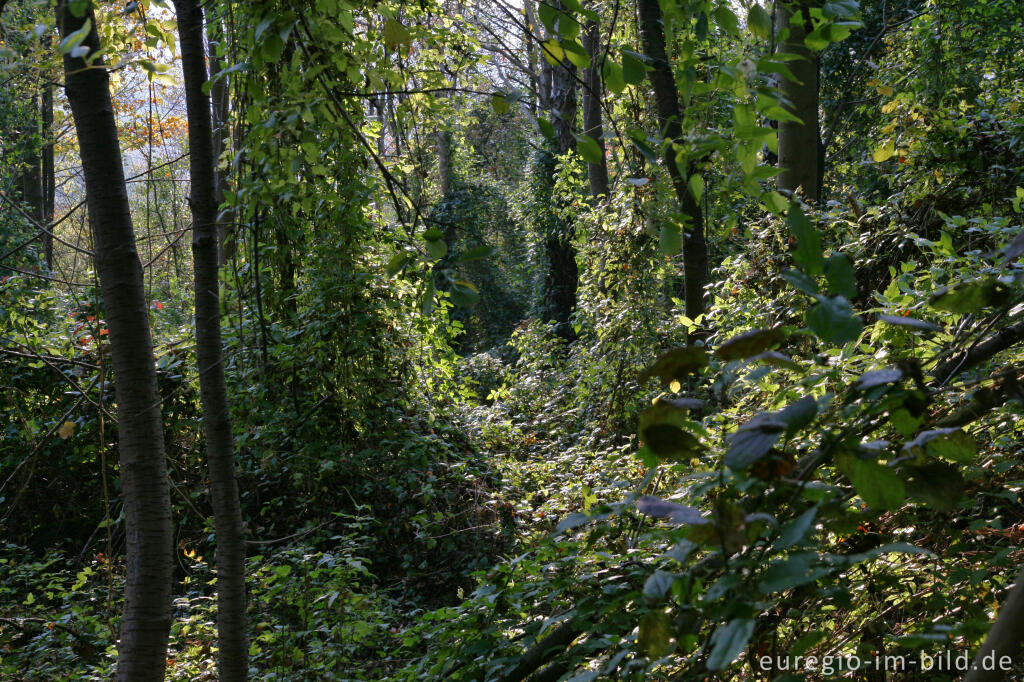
column 666, row 100
column 562, row 276
column 32, row 180
column 49, row 185
column 798, row 142
column 232, row 640
column 221, row 135
column 145, row 625
column 593, row 92
column 444, row 163
column 536, row 98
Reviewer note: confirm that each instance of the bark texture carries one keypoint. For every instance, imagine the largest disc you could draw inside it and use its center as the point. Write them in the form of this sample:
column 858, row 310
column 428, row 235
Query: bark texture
column 669, row 113
column 562, row 276
column 593, row 91
column 798, row 142
column 232, row 641
column 219, row 101
column 49, row 185
column 146, row 621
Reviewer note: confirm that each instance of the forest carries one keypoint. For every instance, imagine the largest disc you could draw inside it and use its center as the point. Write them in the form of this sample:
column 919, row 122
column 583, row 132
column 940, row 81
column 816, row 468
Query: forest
column 512, row 340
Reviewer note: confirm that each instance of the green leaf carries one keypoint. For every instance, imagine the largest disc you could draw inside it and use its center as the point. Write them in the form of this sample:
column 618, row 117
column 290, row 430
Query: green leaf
column 808, row 252
column 696, row 184
column 816, row 40
column 677, row 364
column 589, row 149
column 427, row 304
column 911, row 322
column 794, row 531
column 948, row 443
column 73, row 40
column 726, row 20
column 670, row 241
column 475, row 254
column 657, row 585
column 798, row 414
column 842, row 279
column 396, row 35
column 794, row 571
column 464, row 294
column 613, row 76
column 971, row 296
column 552, row 51
column 878, row 377
column 397, row 262
column 832, row 320
column 664, row 430
column 437, row 248
column 499, row 103
column 272, row 47
column 884, row 152
column 546, row 129
column 938, row 484
column 759, row 21
column 548, row 15
column 655, row 634
column 575, row 53
column 633, row 68
column 801, row 281
column 878, row 486
column 773, row 358
column 750, row 343
column 729, row 641
column 678, row 513
column 753, row 440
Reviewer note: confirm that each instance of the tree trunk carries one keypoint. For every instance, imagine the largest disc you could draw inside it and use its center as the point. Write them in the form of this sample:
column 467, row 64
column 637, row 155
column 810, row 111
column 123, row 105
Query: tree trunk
column 666, row 100
column 145, row 625
column 592, row 95
column 232, row 643
column 444, row 163
column 49, row 184
column 32, row 179
column 536, row 97
column 562, row 276
column 219, row 98
column 798, row 142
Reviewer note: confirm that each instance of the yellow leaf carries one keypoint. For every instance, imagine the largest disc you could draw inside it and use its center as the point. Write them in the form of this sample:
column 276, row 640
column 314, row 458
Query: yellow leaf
column 885, row 152
column 66, row 430
column 889, row 107
column 885, row 90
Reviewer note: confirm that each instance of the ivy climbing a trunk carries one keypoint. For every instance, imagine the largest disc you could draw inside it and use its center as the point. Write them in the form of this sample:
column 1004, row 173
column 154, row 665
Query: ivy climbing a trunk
column 232, row 644
column 146, row 621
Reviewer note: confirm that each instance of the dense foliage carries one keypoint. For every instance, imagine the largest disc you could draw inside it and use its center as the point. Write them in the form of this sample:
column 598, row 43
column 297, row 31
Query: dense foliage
column 438, row 480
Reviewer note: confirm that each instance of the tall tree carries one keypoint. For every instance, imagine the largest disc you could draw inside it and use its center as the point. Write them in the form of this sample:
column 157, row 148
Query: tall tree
column 561, row 277
column 669, row 113
column 798, row 141
column 219, row 101
column 49, row 185
column 232, row 643
column 146, row 621
column 593, row 91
